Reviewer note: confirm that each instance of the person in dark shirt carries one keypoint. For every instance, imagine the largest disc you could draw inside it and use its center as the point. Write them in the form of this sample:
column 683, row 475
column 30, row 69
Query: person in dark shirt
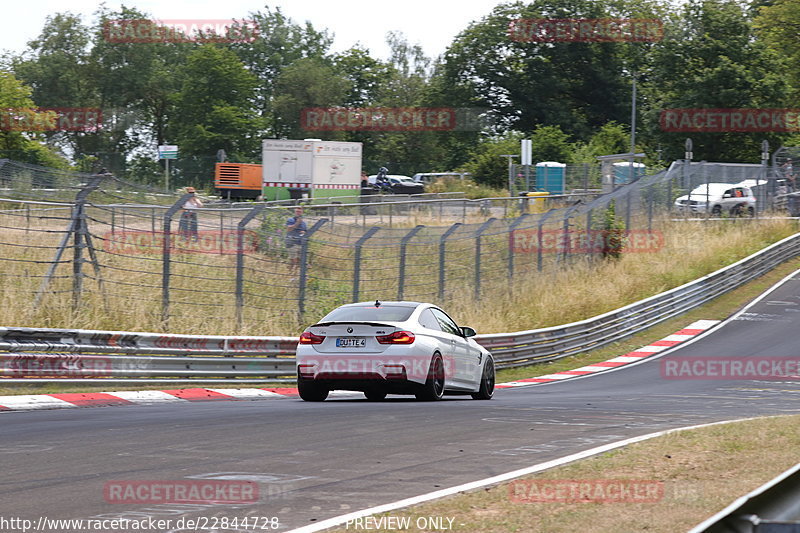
column 295, row 231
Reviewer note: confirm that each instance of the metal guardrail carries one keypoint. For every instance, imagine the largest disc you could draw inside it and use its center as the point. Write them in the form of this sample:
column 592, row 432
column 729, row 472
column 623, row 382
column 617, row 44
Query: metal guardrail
column 115, row 356
column 86, row 355
column 772, row 508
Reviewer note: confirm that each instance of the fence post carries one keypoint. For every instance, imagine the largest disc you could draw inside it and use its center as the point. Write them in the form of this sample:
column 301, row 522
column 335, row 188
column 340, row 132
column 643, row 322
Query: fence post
column 301, row 288
column 442, row 250
column 402, row 274
column 74, row 228
column 511, row 229
column 240, row 260
column 567, row 218
column 357, row 260
column 77, row 258
column 628, row 207
column 221, row 231
column 478, row 235
column 539, row 235
column 589, row 239
column 165, row 255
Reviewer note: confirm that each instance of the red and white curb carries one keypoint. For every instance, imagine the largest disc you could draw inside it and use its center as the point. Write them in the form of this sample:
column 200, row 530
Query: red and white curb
column 676, row 338
column 28, row 402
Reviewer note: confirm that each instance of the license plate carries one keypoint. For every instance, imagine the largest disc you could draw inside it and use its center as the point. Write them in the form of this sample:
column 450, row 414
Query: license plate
column 351, row 342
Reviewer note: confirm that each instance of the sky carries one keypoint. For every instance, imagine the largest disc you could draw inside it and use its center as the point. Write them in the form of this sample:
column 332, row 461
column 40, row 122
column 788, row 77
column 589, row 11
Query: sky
column 431, row 23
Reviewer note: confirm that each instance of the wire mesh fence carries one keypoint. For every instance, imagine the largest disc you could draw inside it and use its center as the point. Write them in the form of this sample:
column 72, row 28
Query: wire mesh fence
column 143, row 255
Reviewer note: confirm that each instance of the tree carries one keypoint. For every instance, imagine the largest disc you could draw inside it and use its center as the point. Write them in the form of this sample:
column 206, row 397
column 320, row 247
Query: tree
column 280, row 43
column 611, row 138
column 709, row 58
column 58, row 69
column 486, row 164
column 576, row 85
column 309, row 82
column 18, row 141
column 776, row 23
column 214, row 107
column 549, row 143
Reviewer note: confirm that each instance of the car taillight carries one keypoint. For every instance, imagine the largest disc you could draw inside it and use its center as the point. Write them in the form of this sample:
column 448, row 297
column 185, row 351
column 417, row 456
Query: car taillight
column 398, row 337
column 309, row 338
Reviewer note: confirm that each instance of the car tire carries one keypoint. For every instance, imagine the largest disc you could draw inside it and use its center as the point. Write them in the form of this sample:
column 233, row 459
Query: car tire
column 716, row 210
column 433, row 390
column 751, row 212
column 486, row 389
column 310, row 391
column 375, row 395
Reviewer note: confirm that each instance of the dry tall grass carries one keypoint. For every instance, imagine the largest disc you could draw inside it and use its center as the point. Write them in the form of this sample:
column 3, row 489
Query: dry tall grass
column 585, row 289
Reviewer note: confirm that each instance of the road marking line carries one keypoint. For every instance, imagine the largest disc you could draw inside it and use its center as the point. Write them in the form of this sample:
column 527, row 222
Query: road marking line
column 146, row 396
column 95, row 399
column 34, row 401
column 495, row 480
column 244, row 394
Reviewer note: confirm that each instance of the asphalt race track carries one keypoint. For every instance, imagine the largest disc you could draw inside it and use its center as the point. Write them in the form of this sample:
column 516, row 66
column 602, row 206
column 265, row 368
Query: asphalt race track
column 316, row 461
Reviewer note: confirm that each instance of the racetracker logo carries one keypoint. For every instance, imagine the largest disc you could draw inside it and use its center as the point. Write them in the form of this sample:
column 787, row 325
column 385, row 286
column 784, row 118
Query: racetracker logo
column 586, row 491
column 181, row 491
column 369, row 367
column 220, row 242
column 730, row 368
column 180, row 31
column 87, row 119
column 530, row 241
column 730, row 120
column 585, row 30
column 55, row 365
column 393, row 119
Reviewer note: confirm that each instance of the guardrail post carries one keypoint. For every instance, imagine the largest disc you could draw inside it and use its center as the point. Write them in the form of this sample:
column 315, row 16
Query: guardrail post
column 166, row 250
column 357, row 260
column 478, row 235
column 402, row 273
column 240, row 260
column 303, row 280
column 511, row 229
column 442, row 250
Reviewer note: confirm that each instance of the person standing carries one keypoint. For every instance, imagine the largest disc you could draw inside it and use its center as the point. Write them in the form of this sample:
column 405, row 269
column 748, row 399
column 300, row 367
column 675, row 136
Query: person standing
column 188, row 224
column 295, row 231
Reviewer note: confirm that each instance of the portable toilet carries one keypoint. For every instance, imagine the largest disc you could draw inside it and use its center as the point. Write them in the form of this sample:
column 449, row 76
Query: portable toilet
column 626, row 172
column 551, row 177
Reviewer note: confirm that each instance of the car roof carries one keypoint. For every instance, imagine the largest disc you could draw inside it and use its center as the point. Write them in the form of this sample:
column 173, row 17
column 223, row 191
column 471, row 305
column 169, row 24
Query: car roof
column 717, row 186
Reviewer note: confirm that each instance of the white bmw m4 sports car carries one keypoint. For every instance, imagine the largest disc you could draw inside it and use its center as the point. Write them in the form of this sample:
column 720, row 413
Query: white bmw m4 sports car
column 382, row 348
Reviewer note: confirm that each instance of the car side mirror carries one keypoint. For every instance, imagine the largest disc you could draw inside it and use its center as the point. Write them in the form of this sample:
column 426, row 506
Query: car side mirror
column 468, row 332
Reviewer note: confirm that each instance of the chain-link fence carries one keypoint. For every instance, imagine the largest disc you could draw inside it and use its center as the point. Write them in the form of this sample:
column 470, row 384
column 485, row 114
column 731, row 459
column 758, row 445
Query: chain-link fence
column 131, row 252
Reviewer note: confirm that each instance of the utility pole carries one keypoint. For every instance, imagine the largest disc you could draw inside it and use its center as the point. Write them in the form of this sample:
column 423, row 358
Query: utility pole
column 510, row 173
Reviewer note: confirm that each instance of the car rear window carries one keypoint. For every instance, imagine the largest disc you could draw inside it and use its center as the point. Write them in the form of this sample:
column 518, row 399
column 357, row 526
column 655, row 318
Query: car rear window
column 370, row 313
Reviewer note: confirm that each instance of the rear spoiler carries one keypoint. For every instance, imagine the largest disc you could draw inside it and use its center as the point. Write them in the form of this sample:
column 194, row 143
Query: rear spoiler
column 378, row 324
